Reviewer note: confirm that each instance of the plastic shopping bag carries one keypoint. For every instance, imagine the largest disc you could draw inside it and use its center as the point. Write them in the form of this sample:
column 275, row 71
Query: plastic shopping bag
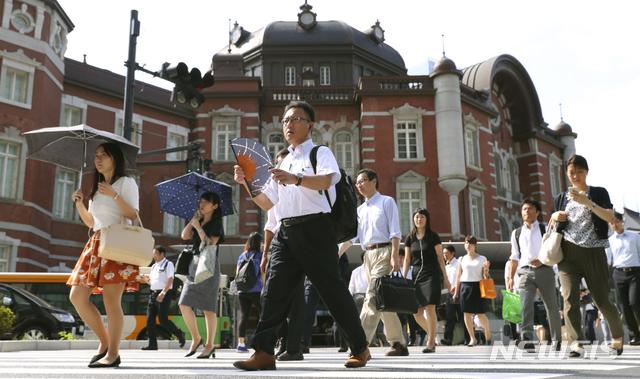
column 511, row 307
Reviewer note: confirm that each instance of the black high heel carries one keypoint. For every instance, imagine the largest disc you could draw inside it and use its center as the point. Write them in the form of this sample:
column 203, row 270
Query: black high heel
column 98, row 357
column 190, row 353
column 211, row 353
column 115, row 363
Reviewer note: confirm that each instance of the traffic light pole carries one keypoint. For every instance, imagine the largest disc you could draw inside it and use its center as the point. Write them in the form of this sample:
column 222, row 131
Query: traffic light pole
column 134, row 32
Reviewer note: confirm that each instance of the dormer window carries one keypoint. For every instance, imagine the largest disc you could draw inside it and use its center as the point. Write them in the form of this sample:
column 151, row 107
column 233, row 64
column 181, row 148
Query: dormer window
column 290, row 75
column 308, row 76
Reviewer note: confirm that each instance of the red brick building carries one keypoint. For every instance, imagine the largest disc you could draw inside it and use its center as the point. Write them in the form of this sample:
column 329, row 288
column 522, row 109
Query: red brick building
column 467, row 144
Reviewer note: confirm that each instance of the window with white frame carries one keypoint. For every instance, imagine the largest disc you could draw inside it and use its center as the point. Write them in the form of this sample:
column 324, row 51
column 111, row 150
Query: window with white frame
column 172, row 225
column 5, row 256
column 71, row 115
column 499, row 175
column 411, row 194
column 275, row 143
column 15, row 84
column 176, row 140
column 409, row 199
column 136, row 131
column 316, row 137
column 9, row 168
column 325, row 75
column 66, row 183
column 308, row 81
column 225, row 131
column 555, row 174
column 513, row 176
column 472, row 146
column 476, row 204
column 406, row 138
column 290, row 75
column 343, row 150
column 230, row 222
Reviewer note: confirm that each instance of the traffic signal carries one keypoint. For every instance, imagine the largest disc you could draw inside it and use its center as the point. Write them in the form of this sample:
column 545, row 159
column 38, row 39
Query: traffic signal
column 188, row 84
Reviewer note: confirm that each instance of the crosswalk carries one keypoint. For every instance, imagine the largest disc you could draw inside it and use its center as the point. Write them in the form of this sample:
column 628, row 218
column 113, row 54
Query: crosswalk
column 448, row 362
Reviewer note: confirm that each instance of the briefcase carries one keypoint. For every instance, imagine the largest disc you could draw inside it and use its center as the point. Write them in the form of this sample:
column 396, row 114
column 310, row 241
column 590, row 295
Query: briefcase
column 395, row 293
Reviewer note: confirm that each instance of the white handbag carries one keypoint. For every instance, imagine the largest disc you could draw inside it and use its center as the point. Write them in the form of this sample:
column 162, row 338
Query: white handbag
column 129, row 244
column 206, row 263
column 551, row 250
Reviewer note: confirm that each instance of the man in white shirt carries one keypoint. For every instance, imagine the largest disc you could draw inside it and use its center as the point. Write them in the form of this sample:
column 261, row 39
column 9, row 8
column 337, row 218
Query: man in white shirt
column 305, row 243
column 526, row 242
column 624, row 248
column 379, row 235
column 160, row 281
column 453, row 311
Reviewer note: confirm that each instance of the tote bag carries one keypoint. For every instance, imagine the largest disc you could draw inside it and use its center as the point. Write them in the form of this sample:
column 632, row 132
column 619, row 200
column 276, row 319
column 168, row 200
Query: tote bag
column 206, row 263
column 395, row 294
column 487, row 289
column 511, row 307
column 131, row 244
column 551, row 249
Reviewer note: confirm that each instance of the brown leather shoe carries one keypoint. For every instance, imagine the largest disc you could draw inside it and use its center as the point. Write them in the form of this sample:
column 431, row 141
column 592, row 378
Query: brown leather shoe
column 398, row 350
column 359, row 360
column 258, row 361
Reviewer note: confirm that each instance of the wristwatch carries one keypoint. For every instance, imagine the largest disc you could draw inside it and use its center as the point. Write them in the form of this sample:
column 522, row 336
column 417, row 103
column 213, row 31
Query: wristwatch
column 300, row 176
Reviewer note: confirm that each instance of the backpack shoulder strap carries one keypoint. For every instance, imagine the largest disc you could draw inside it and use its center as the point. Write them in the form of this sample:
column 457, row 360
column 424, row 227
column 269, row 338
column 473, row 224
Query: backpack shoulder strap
column 518, row 232
column 543, row 228
column 313, row 157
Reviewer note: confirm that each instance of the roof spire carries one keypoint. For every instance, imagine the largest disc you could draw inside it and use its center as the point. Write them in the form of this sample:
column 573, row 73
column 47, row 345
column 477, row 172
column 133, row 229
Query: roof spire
column 560, row 105
column 442, row 36
column 229, row 48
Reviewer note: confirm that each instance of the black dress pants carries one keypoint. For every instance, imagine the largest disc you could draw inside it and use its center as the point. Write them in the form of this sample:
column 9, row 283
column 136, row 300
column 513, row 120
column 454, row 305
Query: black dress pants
column 628, row 290
column 160, row 310
column 308, row 248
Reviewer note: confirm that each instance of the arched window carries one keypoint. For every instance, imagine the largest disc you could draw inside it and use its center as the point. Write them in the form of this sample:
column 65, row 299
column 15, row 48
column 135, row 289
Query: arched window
column 275, row 143
column 499, row 177
column 316, row 137
column 343, row 149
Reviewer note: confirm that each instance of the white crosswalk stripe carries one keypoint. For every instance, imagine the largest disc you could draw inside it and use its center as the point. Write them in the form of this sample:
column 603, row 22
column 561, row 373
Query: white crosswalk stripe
column 448, row 362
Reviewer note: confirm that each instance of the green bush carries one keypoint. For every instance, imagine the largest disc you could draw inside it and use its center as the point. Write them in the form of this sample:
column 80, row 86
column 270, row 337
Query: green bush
column 7, row 320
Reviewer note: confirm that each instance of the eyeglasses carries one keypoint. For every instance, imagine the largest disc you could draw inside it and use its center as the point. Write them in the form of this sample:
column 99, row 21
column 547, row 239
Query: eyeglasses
column 362, row 181
column 289, row 119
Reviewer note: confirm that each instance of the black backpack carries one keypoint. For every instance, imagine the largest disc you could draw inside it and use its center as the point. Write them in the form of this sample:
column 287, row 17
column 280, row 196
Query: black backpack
column 246, row 278
column 344, row 212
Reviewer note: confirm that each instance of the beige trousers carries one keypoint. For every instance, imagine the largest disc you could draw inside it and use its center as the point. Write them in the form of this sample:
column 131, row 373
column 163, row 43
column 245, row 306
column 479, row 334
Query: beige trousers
column 377, row 263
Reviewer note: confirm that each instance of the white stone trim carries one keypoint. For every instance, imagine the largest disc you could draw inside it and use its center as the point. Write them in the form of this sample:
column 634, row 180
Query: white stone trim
column 370, row 113
column 13, row 243
column 31, row 43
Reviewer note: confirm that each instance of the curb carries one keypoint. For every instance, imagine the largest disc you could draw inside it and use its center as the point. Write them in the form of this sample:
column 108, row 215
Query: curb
column 7, row 346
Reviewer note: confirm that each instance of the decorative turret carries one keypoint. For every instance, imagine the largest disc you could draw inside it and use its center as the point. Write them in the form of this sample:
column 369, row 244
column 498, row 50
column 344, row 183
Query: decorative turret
column 567, row 137
column 450, row 138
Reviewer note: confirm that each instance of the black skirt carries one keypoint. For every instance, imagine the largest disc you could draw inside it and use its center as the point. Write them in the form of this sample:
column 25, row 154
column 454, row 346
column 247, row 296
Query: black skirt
column 470, row 300
column 428, row 289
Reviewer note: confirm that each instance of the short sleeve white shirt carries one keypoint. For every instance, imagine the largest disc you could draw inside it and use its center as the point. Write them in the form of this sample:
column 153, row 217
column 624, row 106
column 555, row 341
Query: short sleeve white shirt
column 272, row 223
column 104, row 209
column 160, row 273
column 451, row 268
column 472, row 268
column 358, row 282
column 294, row 201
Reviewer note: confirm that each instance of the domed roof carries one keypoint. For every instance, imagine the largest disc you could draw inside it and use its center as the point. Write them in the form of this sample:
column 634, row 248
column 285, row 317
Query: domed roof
column 445, row 66
column 325, row 33
column 563, row 129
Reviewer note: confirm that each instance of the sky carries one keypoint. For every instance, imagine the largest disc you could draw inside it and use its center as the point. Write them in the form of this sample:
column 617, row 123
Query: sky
column 579, row 54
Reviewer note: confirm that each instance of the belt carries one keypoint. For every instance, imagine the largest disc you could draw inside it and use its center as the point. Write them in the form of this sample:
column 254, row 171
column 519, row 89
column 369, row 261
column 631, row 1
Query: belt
column 291, row 221
column 627, row 269
column 374, row 246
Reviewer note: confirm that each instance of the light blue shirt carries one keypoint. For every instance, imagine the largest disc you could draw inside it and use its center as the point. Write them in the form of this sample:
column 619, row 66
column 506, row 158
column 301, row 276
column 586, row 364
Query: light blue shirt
column 625, row 249
column 378, row 220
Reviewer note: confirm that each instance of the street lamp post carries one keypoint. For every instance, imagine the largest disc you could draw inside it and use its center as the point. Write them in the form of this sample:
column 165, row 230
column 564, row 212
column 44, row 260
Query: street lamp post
column 134, row 32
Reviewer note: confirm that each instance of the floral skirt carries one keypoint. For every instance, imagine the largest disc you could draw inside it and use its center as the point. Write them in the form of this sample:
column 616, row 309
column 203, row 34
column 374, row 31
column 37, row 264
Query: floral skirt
column 95, row 272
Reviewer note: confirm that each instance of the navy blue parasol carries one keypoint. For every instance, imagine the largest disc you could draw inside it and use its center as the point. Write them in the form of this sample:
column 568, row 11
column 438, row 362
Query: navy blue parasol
column 180, row 196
